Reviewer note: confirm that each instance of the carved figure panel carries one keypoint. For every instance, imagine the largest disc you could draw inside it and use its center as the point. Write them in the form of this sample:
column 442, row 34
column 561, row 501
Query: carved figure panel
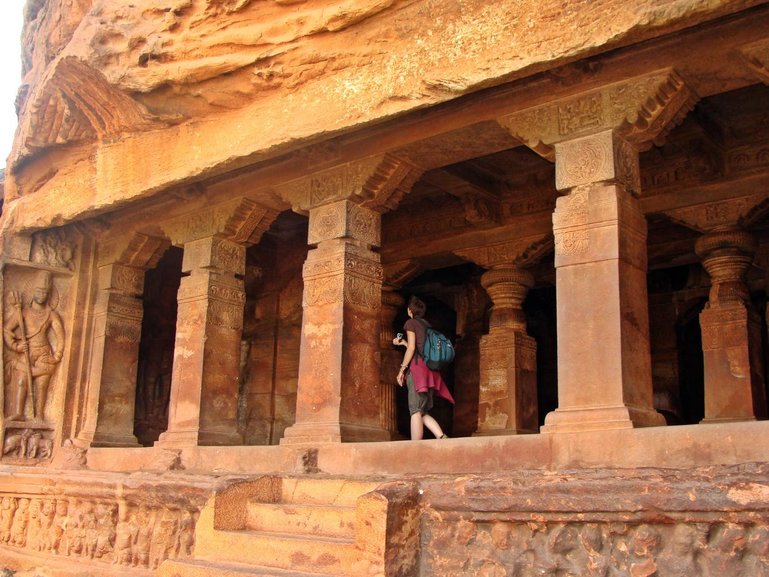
column 593, row 549
column 34, row 337
column 103, row 531
column 53, row 248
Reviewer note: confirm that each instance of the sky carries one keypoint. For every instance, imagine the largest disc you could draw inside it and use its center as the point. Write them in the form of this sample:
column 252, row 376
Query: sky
column 11, row 12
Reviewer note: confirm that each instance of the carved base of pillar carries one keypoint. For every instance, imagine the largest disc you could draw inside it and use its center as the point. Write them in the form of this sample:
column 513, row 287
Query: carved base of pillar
column 324, row 433
column 177, row 439
column 114, row 440
column 716, row 420
column 600, row 418
column 219, row 438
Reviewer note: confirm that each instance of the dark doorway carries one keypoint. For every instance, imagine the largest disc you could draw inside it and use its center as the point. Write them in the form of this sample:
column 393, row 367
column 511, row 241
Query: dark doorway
column 156, row 350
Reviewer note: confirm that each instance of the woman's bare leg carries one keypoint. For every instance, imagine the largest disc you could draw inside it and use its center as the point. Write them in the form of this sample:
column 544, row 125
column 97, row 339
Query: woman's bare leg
column 417, row 427
column 433, row 425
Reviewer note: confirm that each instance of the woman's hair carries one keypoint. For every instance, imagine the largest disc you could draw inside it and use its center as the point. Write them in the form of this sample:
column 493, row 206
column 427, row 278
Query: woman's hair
column 417, row 307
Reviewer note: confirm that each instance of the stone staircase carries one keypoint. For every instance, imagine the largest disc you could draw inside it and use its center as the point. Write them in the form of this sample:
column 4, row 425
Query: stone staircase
column 303, row 527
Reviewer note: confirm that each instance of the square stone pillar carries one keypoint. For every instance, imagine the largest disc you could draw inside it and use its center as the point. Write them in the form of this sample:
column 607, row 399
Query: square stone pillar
column 117, row 333
column 731, row 330
column 507, row 403
column 604, row 364
column 339, row 359
column 205, row 381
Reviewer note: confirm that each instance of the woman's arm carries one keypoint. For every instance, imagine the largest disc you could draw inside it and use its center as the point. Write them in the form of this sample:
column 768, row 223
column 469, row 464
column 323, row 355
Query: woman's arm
column 411, row 347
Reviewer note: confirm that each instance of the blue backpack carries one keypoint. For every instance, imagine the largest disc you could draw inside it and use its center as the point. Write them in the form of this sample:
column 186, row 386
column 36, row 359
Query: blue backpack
column 438, row 350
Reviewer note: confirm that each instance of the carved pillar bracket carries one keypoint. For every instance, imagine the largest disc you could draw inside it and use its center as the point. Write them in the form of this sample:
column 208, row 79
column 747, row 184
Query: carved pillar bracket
column 339, row 359
column 756, row 55
column 731, row 338
column 377, row 183
column 118, row 314
column 641, row 109
column 239, row 220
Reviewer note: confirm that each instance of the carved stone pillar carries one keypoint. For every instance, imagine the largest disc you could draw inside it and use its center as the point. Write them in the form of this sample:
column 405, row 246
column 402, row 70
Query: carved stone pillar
column 118, row 313
column 392, row 302
column 339, row 374
column 203, row 407
column 508, row 367
column 604, row 366
column 204, row 385
column 117, row 332
column 731, row 330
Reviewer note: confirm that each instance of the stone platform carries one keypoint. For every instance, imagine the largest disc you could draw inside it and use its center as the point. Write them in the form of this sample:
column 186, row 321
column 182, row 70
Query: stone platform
column 689, row 499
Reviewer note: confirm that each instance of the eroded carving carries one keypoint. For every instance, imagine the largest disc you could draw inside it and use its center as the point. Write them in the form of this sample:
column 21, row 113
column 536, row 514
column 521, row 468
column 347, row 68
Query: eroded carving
column 113, row 532
column 53, row 248
column 34, row 337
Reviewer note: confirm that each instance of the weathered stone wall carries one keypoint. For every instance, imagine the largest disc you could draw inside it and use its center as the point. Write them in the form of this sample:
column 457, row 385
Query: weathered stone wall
column 612, row 522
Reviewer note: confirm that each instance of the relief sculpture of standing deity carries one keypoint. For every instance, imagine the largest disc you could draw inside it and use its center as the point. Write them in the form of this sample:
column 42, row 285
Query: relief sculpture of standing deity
column 35, row 331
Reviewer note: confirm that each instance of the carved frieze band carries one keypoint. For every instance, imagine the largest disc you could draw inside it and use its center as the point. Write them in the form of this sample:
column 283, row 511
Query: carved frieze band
column 640, row 108
column 378, row 182
column 725, row 327
column 102, row 531
column 240, row 220
column 350, row 275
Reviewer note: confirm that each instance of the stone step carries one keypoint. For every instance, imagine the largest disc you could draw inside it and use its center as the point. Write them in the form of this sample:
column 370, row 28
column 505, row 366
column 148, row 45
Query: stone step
column 311, row 520
column 308, row 553
column 197, row 568
column 331, row 491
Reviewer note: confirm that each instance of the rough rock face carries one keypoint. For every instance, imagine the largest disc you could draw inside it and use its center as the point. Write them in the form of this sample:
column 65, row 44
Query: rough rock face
column 355, row 62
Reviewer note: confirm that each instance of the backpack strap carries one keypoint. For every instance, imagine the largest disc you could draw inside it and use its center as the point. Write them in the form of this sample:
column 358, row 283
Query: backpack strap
column 425, row 325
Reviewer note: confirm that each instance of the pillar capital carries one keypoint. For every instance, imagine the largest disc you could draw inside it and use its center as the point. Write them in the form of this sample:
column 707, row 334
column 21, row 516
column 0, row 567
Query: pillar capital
column 507, row 286
column 726, row 254
column 344, row 219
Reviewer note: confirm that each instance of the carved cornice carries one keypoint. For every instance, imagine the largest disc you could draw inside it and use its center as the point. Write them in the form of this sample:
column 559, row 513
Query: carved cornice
column 377, row 182
column 520, row 252
column 76, row 103
column 756, row 56
column 240, row 220
column 641, row 109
